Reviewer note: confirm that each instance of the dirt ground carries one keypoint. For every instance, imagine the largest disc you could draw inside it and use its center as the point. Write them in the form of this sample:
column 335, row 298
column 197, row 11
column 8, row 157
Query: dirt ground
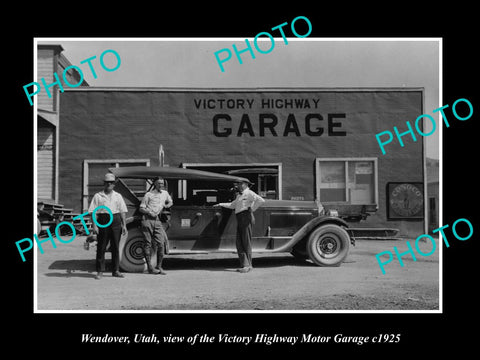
column 65, row 281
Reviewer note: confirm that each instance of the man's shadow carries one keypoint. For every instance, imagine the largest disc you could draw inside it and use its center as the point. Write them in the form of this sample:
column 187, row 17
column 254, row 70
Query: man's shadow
column 86, row 267
column 231, row 263
column 76, row 268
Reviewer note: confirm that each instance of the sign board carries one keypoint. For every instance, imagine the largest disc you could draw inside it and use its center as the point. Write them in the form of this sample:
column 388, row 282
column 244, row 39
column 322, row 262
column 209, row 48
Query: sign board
column 405, row 200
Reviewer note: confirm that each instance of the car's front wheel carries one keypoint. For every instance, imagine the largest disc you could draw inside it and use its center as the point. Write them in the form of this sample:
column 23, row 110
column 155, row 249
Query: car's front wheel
column 328, row 245
column 131, row 252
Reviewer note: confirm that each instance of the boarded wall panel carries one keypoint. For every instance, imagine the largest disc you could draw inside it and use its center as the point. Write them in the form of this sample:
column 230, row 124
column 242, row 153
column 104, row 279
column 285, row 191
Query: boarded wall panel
column 45, row 69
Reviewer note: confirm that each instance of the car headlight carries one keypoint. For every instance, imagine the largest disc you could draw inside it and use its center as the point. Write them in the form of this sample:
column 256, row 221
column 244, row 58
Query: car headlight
column 332, row 212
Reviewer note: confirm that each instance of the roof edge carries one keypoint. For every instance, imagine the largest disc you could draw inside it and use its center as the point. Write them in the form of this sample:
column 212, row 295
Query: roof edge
column 243, row 89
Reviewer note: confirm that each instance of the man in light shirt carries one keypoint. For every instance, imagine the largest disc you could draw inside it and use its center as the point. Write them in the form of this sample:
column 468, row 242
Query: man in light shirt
column 151, row 207
column 114, row 201
column 245, row 204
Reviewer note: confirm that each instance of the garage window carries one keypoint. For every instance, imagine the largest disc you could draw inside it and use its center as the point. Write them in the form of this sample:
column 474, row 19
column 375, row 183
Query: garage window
column 347, row 180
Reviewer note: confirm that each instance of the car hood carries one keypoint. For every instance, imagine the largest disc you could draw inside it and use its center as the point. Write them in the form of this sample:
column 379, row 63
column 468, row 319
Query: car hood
column 171, row 173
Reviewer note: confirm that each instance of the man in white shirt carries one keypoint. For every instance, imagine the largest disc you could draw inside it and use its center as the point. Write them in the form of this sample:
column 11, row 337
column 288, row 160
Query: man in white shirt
column 155, row 236
column 113, row 201
column 245, row 204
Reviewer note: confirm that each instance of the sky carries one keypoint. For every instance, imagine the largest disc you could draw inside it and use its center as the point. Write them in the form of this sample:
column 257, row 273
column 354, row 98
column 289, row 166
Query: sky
column 302, row 63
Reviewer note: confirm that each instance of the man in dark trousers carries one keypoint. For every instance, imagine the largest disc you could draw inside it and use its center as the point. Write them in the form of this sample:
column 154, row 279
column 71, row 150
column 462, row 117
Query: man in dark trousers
column 113, row 201
column 245, row 204
column 155, row 236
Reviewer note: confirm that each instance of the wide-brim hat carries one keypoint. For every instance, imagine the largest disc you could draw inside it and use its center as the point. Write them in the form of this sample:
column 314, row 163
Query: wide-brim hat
column 246, row 181
column 109, row 177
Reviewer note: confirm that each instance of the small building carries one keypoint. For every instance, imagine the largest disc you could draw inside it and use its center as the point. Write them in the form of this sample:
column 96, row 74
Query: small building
column 299, row 144
column 50, row 60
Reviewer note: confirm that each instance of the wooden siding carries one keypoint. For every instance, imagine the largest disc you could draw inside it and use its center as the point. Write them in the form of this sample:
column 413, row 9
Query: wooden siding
column 45, row 161
column 45, row 68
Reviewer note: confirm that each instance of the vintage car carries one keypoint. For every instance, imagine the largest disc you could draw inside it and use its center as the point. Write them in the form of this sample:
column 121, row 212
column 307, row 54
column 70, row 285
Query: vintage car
column 302, row 228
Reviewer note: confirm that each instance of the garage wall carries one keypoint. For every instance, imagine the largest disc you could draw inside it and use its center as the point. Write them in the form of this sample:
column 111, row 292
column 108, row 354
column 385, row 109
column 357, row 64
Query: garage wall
column 133, row 123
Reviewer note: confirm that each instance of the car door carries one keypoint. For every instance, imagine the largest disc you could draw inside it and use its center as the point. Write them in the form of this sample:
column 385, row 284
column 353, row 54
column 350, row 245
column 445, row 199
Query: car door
column 205, row 228
column 195, row 228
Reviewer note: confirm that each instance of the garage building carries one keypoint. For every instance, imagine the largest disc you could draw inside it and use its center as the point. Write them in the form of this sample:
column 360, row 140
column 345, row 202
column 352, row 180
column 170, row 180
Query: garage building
column 294, row 144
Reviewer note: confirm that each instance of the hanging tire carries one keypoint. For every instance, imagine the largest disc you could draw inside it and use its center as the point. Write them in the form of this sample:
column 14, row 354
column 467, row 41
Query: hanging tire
column 131, row 252
column 328, row 245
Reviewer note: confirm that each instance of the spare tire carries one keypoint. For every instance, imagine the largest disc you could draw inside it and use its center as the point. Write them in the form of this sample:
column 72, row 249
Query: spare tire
column 328, row 245
column 131, row 252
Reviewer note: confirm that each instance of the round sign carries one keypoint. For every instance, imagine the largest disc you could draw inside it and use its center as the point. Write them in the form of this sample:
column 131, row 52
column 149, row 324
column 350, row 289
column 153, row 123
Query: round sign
column 406, row 200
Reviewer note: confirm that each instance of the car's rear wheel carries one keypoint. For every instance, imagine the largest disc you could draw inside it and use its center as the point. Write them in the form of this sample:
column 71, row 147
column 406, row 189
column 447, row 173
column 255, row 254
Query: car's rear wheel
column 131, row 252
column 328, row 245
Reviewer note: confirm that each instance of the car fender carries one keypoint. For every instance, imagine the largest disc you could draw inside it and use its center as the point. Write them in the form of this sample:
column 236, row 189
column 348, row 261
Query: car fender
column 306, row 229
